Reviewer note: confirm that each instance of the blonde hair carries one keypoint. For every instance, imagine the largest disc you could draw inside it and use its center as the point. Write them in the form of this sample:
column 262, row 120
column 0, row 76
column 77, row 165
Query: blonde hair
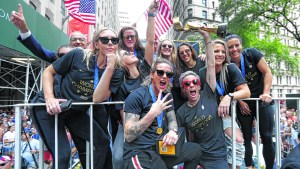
column 173, row 55
column 88, row 53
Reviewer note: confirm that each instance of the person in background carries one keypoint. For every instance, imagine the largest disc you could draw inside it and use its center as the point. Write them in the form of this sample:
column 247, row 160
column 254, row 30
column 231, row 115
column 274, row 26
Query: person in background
column 77, row 39
column 292, row 159
column 30, row 150
column 9, row 141
column 258, row 76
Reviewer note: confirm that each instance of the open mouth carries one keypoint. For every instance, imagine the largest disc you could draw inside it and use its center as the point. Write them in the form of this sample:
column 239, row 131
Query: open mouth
column 193, row 93
column 163, row 84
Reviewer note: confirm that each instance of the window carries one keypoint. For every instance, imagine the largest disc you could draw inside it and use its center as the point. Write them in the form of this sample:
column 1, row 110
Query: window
column 46, row 16
column 190, row 12
column 62, row 8
column 214, row 16
column 204, row 3
column 213, row 4
column 190, row 2
column 32, row 5
column 204, row 14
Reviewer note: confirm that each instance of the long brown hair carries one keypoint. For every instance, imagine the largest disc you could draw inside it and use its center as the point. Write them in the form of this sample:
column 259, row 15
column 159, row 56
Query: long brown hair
column 138, row 45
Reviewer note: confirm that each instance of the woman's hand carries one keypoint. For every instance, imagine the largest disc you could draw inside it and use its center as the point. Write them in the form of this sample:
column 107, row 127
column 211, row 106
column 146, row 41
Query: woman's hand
column 265, row 98
column 170, row 138
column 223, row 109
column 111, row 60
column 52, row 105
column 153, row 8
column 245, row 110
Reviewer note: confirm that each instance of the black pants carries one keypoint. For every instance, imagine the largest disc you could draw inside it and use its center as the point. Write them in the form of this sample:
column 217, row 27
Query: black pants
column 190, row 156
column 266, row 126
column 78, row 123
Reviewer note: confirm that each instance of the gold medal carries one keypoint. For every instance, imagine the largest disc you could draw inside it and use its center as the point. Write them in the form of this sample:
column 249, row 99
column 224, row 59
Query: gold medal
column 221, row 97
column 159, row 130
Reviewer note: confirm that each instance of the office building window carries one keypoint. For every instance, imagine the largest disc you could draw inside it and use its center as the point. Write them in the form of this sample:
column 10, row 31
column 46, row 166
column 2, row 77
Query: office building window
column 32, row 5
column 204, row 14
column 204, row 3
column 46, row 16
column 190, row 12
column 63, row 8
column 190, row 1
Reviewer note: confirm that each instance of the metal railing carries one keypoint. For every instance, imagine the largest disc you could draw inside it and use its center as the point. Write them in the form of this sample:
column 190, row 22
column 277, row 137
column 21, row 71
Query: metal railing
column 89, row 154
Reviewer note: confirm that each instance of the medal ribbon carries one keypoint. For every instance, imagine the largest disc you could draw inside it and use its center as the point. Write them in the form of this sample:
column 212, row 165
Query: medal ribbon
column 220, row 89
column 243, row 65
column 159, row 118
column 96, row 77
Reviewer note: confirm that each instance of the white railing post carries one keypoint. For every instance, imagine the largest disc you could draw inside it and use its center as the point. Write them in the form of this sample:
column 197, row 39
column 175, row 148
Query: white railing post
column 233, row 116
column 18, row 139
column 257, row 133
column 56, row 141
column 91, row 136
column 277, row 134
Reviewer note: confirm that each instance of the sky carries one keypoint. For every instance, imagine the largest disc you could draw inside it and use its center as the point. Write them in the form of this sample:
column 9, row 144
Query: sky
column 136, row 8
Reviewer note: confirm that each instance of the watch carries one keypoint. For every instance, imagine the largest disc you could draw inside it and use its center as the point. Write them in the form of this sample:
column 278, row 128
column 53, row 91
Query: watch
column 231, row 95
column 175, row 130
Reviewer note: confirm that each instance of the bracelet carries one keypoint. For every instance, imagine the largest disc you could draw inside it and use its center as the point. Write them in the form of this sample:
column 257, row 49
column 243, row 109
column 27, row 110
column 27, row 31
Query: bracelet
column 151, row 14
column 208, row 42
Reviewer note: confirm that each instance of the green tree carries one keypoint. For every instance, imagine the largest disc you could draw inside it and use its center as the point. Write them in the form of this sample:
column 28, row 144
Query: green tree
column 247, row 19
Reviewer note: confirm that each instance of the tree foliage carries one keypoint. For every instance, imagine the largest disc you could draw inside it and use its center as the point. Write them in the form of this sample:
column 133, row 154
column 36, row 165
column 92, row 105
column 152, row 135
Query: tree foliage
column 248, row 17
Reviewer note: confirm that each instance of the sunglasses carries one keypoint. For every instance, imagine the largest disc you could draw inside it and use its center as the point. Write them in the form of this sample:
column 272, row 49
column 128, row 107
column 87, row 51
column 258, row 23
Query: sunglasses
column 185, row 51
column 105, row 40
column 75, row 39
column 60, row 54
column 165, row 46
column 161, row 73
column 187, row 83
column 130, row 36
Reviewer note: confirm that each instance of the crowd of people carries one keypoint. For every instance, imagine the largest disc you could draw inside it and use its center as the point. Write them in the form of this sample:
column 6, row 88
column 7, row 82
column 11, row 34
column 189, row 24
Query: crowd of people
column 166, row 88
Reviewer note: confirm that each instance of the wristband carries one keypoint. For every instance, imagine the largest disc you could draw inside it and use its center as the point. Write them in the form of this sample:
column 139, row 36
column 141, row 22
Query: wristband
column 208, row 42
column 151, row 14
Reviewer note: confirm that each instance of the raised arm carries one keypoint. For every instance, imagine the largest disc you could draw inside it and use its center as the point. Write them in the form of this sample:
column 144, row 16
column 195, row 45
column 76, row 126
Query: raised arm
column 150, row 34
column 27, row 39
column 210, row 73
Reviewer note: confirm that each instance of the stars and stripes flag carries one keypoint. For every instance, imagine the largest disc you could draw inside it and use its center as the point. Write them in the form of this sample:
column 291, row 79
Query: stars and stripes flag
column 163, row 19
column 82, row 10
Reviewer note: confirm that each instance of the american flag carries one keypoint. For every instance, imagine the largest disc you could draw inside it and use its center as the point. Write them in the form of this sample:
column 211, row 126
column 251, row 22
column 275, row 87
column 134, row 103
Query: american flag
column 163, row 20
column 82, row 10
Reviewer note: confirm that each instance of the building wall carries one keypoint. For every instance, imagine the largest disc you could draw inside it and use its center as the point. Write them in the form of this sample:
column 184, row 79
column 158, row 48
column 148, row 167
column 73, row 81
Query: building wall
column 107, row 13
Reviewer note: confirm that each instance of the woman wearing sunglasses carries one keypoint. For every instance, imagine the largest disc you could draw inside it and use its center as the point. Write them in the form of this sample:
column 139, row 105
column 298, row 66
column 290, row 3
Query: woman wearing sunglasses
column 186, row 60
column 133, row 79
column 230, row 85
column 200, row 113
column 82, row 71
column 166, row 50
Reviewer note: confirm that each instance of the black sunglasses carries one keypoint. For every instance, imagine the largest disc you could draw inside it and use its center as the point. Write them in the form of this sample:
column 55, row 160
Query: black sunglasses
column 161, row 73
column 105, row 40
column 165, row 45
column 130, row 36
column 187, row 83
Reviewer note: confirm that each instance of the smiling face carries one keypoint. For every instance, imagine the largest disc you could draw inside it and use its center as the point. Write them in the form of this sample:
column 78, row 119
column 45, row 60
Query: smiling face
column 161, row 81
column 235, row 48
column 185, row 54
column 129, row 38
column 220, row 54
column 108, row 48
column 191, row 87
column 77, row 39
column 167, row 49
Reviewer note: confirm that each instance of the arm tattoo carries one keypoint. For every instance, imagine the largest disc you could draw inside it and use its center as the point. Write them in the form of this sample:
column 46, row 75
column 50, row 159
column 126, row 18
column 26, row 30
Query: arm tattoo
column 172, row 123
column 135, row 126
